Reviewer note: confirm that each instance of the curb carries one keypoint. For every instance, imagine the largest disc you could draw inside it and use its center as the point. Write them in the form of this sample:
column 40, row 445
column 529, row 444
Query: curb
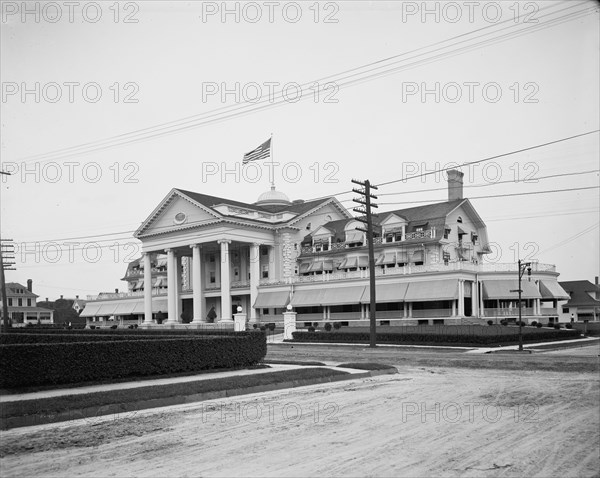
column 91, row 414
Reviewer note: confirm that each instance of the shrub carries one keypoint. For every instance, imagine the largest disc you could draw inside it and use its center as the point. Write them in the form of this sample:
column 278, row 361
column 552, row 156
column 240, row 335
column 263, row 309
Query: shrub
column 534, row 322
column 504, row 322
column 54, row 363
column 315, row 324
column 114, row 326
column 272, row 326
column 311, row 329
column 337, row 325
column 539, row 325
column 557, row 326
column 255, row 326
column 92, row 327
column 490, row 322
column 328, row 327
column 569, row 326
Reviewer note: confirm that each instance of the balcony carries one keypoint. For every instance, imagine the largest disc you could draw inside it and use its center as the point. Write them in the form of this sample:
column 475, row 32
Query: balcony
column 338, row 246
column 408, row 270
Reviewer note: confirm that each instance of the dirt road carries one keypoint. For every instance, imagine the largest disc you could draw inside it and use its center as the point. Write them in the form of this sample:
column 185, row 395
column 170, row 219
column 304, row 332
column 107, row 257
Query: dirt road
column 425, row 421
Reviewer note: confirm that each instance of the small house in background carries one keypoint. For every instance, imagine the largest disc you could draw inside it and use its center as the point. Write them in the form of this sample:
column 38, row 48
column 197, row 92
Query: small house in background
column 583, row 303
column 66, row 311
column 23, row 308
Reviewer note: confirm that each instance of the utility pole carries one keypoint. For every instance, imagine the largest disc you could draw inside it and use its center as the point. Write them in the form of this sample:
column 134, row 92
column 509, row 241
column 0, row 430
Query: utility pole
column 368, row 220
column 7, row 249
column 523, row 266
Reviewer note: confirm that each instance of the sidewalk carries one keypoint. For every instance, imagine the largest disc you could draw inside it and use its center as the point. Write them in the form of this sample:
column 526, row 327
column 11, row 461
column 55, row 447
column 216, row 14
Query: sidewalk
column 278, row 339
column 158, row 381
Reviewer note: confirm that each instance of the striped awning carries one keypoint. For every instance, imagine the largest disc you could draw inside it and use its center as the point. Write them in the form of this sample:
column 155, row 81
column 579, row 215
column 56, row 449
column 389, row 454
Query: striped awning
column 304, row 298
column 304, row 268
column 278, row 299
column 402, row 258
column 417, row 256
column 446, row 289
column 126, row 307
column 161, row 262
column 348, row 263
column 321, row 266
column 91, row 309
column 107, row 309
column 502, row 289
column 552, row 290
column 388, row 257
column 386, row 293
column 342, row 295
column 354, row 236
column 363, row 261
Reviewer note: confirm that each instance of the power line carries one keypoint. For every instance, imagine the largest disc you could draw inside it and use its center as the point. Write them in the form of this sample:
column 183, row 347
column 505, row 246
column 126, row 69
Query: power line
column 571, row 238
column 204, row 118
column 493, row 183
column 501, row 195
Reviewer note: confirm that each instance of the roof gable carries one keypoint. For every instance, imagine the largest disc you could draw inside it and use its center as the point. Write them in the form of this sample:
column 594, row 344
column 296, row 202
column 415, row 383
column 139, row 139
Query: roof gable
column 176, row 211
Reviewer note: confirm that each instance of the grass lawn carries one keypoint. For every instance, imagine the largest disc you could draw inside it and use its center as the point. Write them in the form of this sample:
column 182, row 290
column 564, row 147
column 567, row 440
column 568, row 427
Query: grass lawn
column 65, row 403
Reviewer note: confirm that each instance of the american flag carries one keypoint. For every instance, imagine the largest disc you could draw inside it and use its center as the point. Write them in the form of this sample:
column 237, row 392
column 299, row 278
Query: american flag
column 262, row 152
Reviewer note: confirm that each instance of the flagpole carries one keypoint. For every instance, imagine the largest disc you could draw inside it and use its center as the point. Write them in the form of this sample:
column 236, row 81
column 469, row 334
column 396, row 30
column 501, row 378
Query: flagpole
column 272, row 166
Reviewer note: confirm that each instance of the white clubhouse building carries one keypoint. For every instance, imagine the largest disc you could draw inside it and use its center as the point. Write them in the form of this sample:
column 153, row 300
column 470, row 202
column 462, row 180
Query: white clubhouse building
column 202, row 252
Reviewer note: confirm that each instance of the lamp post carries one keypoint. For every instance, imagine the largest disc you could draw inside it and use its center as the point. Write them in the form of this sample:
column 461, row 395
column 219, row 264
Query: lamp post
column 523, row 266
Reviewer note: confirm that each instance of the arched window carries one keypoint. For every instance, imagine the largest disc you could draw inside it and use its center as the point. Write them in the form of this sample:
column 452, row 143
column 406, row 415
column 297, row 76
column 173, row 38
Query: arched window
column 459, row 219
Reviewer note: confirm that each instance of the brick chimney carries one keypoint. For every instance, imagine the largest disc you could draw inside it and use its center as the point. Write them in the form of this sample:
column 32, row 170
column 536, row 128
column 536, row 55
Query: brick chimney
column 29, row 285
column 455, row 185
column 77, row 297
column 116, row 291
column 61, row 296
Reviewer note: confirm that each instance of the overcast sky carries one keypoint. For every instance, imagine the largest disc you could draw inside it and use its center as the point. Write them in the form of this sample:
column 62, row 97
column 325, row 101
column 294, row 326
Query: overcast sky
column 395, row 89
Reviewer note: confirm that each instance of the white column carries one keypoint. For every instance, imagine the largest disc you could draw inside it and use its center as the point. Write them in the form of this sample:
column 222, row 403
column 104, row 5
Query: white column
column 171, row 286
column 405, row 311
column 461, row 297
column 147, row 289
column 254, row 279
column 225, row 281
column 178, row 280
column 474, row 299
column 198, row 297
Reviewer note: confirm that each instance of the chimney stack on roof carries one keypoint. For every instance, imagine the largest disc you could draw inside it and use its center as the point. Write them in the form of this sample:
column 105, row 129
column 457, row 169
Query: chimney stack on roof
column 116, row 291
column 61, row 296
column 76, row 297
column 29, row 285
column 455, row 185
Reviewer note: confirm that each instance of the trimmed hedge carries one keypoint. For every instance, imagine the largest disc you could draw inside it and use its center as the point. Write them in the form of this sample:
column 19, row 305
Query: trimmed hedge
column 54, row 363
column 10, row 339
column 416, row 338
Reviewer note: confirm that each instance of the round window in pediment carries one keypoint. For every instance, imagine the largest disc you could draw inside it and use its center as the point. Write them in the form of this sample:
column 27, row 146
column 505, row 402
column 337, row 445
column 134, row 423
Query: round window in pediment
column 180, row 218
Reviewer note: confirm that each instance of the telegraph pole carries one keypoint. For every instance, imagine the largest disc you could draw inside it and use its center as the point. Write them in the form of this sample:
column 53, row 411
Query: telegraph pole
column 368, row 220
column 7, row 249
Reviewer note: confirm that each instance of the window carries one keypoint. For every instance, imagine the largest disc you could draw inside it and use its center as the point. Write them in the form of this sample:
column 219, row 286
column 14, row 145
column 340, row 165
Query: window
column 264, row 251
column 419, row 229
column 447, row 232
column 265, row 271
column 474, row 237
column 212, row 278
column 211, row 258
column 459, row 219
column 265, row 312
column 10, row 302
column 28, row 302
column 565, row 310
column 20, row 302
column 308, row 226
column 236, row 273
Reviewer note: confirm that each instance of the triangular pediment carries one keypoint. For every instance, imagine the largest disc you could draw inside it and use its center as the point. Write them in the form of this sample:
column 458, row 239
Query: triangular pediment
column 392, row 220
column 176, row 212
column 321, row 231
